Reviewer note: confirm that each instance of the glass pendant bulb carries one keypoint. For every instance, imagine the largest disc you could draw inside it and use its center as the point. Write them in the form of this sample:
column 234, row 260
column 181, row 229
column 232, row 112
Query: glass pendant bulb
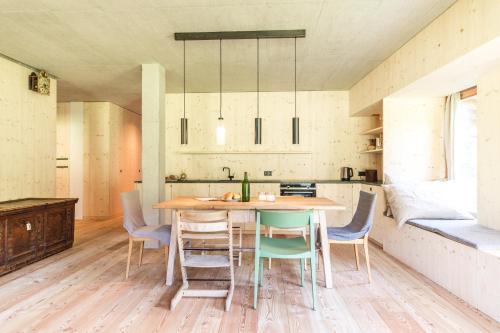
column 220, row 133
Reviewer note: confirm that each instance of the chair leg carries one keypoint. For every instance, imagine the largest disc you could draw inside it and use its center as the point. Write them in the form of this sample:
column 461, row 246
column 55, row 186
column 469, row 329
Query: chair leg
column 256, row 279
column 141, row 250
column 130, row 242
column 357, row 256
column 367, row 257
column 240, row 254
column 270, row 236
column 261, row 271
column 302, row 264
column 304, row 234
column 313, row 279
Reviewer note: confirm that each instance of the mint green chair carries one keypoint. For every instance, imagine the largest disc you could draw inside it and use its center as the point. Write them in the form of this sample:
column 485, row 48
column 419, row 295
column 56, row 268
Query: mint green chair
column 284, row 248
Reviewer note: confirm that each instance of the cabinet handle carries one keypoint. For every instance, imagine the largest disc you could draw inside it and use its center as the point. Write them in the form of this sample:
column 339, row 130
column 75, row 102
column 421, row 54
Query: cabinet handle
column 28, row 225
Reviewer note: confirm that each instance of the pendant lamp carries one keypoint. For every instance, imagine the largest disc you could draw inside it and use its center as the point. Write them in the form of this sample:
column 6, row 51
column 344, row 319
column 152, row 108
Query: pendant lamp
column 295, row 119
column 258, row 120
column 184, row 121
column 220, row 133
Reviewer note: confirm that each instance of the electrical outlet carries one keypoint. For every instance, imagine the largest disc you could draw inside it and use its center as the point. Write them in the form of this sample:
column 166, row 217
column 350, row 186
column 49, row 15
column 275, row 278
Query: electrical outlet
column 361, row 173
column 268, row 173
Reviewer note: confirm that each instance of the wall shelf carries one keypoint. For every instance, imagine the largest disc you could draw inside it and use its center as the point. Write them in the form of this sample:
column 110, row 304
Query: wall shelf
column 214, row 152
column 372, row 151
column 373, row 131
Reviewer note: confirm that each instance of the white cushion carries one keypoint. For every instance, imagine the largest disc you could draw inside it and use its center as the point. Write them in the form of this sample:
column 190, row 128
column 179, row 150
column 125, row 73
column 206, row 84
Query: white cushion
column 426, row 200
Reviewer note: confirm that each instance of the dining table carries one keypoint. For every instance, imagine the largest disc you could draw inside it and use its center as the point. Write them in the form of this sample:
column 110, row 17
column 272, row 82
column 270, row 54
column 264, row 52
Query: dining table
column 245, row 212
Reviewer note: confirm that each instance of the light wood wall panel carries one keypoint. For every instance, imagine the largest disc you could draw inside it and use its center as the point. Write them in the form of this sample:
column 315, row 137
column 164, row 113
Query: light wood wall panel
column 27, row 136
column 327, row 133
column 464, row 26
column 413, row 138
column 488, row 153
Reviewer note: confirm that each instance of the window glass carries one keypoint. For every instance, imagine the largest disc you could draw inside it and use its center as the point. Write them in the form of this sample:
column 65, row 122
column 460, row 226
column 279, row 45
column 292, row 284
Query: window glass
column 465, row 150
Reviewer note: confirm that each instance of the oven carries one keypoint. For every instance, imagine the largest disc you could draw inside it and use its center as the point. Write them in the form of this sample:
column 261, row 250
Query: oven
column 298, row 190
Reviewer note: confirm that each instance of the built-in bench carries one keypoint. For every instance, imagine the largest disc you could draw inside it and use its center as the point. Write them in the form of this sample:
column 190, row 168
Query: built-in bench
column 467, row 232
column 459, row 255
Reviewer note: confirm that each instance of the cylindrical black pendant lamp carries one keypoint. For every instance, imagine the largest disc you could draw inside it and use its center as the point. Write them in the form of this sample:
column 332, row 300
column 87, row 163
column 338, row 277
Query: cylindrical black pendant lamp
column 295, row 119
column 184, row 120
column 258, row 120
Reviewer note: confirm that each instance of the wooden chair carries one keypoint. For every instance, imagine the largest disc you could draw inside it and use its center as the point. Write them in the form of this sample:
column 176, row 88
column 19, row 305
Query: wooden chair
column 356, row 232
column 204, row 225
column 138, row 230
column 285, row 248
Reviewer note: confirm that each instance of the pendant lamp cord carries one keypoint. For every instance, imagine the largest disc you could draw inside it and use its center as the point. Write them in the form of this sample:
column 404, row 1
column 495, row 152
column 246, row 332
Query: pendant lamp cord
column 184, row 74
column 295, row 75
column 220, row 79
column 258, row 78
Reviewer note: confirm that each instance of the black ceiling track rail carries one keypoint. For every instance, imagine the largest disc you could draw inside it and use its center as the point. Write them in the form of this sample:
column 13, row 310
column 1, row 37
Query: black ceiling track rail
column 301, row 33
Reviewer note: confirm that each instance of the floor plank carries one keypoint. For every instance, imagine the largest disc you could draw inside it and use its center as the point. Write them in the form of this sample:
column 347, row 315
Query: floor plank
column 83, row 290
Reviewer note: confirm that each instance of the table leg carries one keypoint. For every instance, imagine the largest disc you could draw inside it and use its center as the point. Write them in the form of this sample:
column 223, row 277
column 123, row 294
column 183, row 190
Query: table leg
column 325, row 249
column 172, row 249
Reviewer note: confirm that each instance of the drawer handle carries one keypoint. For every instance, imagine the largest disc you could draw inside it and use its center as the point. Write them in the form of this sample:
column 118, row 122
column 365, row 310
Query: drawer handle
column 28, row 225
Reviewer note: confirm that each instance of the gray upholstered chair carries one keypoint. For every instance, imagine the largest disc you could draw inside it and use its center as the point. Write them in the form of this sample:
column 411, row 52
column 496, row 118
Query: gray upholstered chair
column 357, row 231
column 138, row 230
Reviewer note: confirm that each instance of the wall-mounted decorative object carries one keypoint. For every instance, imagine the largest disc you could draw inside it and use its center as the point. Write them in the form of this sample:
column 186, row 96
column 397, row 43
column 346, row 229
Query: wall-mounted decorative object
column 43, row 83
column 295, row 120
column 184, row 121
column 33, row 82
column 258, row 120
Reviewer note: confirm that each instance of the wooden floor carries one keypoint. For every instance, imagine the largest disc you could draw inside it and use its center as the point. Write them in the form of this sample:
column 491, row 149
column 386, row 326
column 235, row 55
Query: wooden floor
column 83, row 290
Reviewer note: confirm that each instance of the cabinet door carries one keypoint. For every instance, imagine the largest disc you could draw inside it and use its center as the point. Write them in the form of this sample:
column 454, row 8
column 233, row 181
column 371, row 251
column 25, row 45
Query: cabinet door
column 54, row 229
column 265, row 187
column 218, row 189
column 21, row 232
column 2, row 243
column 341, row 193
column 190, row 190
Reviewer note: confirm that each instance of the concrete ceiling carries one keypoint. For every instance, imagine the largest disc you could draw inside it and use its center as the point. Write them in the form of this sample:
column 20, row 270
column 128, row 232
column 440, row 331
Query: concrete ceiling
column 96, row 47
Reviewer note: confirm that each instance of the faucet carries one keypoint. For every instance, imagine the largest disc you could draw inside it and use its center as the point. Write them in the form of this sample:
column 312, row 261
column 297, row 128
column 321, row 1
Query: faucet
column 228, row 172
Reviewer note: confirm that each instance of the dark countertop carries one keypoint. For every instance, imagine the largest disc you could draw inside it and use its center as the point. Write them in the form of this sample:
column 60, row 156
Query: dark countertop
column 235, row 181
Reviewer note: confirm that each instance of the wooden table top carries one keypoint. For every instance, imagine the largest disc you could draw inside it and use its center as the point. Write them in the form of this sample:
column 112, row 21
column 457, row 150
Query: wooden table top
column 281, row 203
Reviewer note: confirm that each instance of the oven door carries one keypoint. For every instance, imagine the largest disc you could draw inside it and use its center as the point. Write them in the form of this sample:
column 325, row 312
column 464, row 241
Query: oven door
column 298, row 193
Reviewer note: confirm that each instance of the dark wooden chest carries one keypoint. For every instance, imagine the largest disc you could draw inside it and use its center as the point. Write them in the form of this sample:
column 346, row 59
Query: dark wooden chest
column 32, row 229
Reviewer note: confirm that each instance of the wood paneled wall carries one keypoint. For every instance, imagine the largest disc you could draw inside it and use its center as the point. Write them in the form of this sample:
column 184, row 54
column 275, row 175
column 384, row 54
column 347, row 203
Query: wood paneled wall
column 27, row 136
column 112, row 153
column 413, row 138
column 464, row 26
column 329, row 137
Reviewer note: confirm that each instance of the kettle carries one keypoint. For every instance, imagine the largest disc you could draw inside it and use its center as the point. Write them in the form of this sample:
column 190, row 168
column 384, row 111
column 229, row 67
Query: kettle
column 346, row 173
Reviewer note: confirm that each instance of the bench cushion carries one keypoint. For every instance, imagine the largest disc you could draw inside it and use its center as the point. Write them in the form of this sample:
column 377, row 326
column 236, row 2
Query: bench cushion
column 467, row 232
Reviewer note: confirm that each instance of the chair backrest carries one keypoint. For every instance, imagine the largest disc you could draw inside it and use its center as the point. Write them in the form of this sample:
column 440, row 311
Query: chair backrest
column 284, row 219
column 205, row 221
column 362, row 220
column 132, row 211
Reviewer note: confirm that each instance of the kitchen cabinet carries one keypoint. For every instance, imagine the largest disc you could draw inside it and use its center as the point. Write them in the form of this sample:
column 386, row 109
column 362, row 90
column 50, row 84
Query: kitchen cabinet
column 343, row 194
column 32, row 229
column 218, row 189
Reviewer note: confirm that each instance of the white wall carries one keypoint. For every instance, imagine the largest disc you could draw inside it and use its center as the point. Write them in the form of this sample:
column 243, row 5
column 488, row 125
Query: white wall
column 413, row 138
column 488, row 154
column 27, row 136
column 328, row 136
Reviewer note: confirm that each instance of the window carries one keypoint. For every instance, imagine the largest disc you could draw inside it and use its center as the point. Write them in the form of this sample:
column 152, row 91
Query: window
column 465, row 150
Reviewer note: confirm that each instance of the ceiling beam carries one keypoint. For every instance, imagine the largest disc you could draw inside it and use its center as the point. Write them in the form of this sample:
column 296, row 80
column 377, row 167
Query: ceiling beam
column 301, row 33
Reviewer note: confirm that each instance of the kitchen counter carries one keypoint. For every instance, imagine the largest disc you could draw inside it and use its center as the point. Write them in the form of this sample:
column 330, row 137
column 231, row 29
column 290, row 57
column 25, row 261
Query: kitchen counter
column 317, row 181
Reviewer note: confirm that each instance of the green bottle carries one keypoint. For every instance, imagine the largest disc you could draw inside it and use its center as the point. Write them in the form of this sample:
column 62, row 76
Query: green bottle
column 245, row 189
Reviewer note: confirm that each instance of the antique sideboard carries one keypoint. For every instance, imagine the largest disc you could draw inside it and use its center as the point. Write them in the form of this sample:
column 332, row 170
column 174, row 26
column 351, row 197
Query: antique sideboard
column 32, row 229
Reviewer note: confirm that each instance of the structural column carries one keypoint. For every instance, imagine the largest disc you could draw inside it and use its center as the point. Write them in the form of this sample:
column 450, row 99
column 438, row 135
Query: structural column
column 153, row 142
column 76, row 175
